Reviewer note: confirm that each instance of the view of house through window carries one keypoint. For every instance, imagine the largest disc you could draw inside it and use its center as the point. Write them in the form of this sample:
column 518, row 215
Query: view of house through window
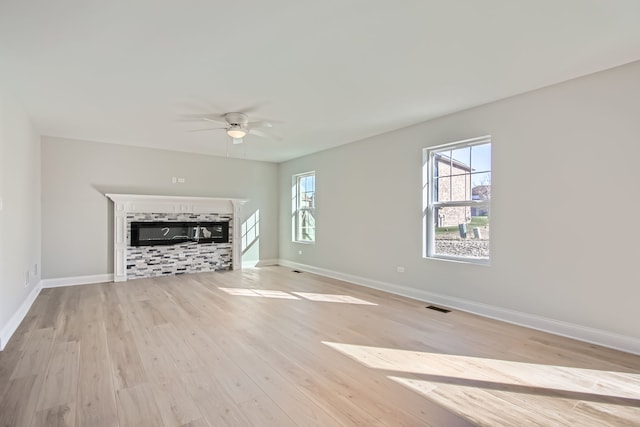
column 304, row 204
column 457, row 197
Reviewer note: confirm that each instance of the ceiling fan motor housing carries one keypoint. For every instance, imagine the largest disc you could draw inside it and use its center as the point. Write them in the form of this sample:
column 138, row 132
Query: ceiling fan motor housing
column 237, row 120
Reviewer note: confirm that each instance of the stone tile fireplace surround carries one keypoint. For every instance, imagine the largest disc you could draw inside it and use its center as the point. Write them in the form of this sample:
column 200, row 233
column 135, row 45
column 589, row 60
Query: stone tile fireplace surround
column 149, row 261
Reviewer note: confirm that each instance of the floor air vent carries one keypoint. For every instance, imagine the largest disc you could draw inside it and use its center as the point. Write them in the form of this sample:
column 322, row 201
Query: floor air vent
column 440, row 309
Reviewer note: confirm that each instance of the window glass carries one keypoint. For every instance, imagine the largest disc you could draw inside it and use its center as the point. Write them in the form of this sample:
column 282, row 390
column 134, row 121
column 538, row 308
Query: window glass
column 457, row 178
column 304, row 222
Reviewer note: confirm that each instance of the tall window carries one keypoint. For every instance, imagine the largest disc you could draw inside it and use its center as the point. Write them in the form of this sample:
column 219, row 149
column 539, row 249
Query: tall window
column 457, row 200
column 304, row 204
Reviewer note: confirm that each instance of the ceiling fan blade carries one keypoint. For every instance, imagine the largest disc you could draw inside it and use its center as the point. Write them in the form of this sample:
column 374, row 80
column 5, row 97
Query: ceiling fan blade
column 260, row 124
column 213, row 118
column 257, row 132
column 189, row 119
column 262, row 134
column 219, row 121
column 251, row 108
column 205, row 129
column 195, row 116
column 237, row 140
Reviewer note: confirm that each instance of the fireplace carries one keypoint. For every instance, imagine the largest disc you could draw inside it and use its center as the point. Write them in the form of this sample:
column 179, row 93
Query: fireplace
column 172, row 256
column 152, row 233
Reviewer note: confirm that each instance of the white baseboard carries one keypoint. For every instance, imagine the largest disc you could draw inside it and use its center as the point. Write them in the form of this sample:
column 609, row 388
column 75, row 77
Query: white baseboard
column 267, row 262
column 77, row 280
column 11, row 326
column 8, row 330
column 261, row 263
column 556, row 327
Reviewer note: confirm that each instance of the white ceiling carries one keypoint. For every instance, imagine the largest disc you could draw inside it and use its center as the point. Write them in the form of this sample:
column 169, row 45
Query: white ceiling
column 325, row 72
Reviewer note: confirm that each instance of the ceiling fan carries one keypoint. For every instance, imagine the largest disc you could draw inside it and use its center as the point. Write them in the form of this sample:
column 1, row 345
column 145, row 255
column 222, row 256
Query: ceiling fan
column 237, row 126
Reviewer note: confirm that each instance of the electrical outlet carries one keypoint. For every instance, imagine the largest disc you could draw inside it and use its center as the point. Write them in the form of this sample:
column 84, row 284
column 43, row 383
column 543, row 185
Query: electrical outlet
column 27, row 278
column 181, row 180
column 300, row 252
column 174, row 179
column 35, row 270
column 400, row 269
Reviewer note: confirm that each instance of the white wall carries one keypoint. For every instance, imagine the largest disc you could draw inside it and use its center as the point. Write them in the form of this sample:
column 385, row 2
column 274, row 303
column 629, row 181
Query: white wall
column 20, row 242
column 565, row 209
column 77, row 219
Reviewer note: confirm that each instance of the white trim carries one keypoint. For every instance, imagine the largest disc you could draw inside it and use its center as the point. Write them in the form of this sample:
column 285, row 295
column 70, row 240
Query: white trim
column 462, row 204
column 10, row 328
column 459, row 259
column 462, row 143
column 570, row 330
column 76, row 280
column 556, row 327
column 258, row 264
column 236, row 239
column 169, row 199
column 267, row 262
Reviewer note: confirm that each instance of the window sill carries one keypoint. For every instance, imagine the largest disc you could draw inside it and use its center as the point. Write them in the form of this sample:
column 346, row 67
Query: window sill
column 460, row 260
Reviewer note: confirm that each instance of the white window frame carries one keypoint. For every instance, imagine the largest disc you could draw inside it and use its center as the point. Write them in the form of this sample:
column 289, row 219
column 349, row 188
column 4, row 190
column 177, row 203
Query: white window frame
column 297, row 208
column 429, row 206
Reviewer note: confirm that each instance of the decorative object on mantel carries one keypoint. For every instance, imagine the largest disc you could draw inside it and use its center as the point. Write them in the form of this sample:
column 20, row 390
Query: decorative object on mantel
column 130, row 204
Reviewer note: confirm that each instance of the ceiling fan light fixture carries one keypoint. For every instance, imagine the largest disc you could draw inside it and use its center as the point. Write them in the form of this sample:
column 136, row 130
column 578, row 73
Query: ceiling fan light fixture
column 236, row 132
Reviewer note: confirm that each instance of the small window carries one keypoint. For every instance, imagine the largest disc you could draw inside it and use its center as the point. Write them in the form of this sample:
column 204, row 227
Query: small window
column 457, row 200
column 304, row 207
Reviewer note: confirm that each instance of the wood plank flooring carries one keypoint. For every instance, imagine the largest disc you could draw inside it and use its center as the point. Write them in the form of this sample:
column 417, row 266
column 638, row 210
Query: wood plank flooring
column 270, row 347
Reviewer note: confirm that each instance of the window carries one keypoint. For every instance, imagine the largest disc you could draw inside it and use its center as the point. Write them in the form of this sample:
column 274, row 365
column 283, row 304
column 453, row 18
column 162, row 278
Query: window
column 304, row 207
column 457, row 200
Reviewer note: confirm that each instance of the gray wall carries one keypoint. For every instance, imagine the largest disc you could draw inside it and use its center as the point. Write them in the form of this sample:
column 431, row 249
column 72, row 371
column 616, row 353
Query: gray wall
column 20, row 214
column 564, row 211
column 77, row 219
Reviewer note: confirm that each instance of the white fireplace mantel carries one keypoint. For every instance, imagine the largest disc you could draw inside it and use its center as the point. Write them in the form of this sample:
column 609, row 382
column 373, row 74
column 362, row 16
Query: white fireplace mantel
column 124, row 204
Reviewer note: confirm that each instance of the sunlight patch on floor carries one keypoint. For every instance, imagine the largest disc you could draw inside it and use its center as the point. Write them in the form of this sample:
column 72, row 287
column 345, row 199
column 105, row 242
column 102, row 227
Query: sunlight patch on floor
column 258, row 293
column 494, row 373
column 487, row 406
column 342, row 299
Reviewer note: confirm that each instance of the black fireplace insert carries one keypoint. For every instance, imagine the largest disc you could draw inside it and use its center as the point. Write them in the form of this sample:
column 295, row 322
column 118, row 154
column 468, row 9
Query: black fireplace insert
column 151, row 233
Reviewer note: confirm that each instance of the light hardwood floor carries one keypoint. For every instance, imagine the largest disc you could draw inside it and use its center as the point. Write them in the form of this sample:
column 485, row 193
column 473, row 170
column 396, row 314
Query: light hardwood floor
column 270, row 347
